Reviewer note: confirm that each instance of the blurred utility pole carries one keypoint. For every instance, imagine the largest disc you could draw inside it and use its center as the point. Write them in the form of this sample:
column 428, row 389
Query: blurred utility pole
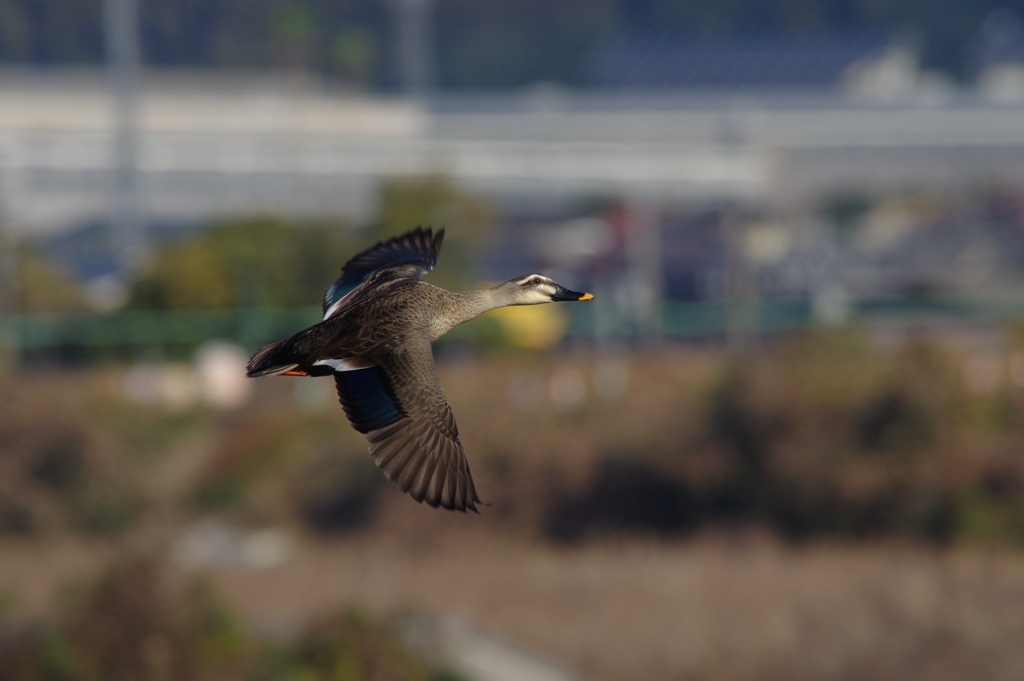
column 121, row 18
column 645, row 272
column 9, row 288
column 740, row 286
column 415, row 48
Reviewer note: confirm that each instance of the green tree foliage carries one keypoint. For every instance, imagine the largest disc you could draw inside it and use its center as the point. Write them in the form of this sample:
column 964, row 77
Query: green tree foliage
column 38, row 285
column 436, row 202
column 353, row 54
column 241, row 263
column 267, row 262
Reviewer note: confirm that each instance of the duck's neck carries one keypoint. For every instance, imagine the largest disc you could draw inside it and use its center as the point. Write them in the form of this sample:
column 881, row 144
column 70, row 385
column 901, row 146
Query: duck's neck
column 456, row 308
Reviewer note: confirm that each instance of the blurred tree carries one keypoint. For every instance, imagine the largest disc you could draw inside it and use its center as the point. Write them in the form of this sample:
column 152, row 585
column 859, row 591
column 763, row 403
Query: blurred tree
column 294, row 33
column 258, row 261
column 353, row 54
column 41, row 286
column 353, row 646
column 845, row 212
column 436, row 202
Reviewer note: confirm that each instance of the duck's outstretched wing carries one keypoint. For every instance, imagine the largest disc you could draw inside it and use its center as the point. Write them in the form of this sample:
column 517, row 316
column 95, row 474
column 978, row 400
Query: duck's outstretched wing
column 410, row 255
column 400, row 406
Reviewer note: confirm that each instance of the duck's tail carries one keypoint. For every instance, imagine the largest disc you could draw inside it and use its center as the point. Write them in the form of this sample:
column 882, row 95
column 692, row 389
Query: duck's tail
column 268, row 362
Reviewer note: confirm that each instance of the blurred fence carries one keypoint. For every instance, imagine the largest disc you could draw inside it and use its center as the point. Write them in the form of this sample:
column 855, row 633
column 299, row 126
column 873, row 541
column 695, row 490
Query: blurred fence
column 254, row 326
column 250, row 327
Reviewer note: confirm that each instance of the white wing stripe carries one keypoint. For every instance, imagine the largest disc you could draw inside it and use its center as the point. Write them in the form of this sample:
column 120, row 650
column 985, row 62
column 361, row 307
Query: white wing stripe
column 337, row 364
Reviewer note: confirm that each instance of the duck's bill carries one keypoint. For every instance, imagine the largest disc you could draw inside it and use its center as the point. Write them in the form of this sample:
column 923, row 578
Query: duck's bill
column 562, row 293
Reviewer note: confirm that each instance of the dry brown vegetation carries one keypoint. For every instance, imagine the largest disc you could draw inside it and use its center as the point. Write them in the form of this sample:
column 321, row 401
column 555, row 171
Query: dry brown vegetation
column 141, row 621
column 707, row 609
column 829, row 511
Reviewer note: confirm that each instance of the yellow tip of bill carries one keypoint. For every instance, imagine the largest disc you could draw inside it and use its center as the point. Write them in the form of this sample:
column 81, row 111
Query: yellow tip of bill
column 587, row 296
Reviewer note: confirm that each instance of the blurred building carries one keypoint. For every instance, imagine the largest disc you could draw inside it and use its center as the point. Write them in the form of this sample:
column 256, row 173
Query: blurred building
column 721, row 189
column 869, row 64
column 209, row 145
column 1000, row 61
column 222, row 144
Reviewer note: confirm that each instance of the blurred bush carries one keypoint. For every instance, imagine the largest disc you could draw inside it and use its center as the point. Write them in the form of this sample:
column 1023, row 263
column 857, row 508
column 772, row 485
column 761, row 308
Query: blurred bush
column 338, row 493
column 76, row 456
column 291, row 466
column 141, row 622
column 57, row 474
column 822, row 436
column 437, row 202
column 253, row 262
column 271, row 262
column 348, row 646
column 36, row 285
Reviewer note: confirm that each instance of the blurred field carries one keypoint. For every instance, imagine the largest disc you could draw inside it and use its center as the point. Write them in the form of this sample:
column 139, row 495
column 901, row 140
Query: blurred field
column 712, row 609
column 735, row 608
column 834, row 510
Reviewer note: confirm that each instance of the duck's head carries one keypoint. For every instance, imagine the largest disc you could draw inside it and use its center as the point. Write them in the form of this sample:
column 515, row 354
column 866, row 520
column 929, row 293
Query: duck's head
column 533, row 289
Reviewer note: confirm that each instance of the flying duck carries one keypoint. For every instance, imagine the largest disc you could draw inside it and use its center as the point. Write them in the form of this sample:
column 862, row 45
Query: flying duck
column 379, row 321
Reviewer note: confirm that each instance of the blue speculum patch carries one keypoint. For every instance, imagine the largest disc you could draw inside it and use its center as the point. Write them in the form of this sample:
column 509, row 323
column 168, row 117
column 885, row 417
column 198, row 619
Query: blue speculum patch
column 363, row 395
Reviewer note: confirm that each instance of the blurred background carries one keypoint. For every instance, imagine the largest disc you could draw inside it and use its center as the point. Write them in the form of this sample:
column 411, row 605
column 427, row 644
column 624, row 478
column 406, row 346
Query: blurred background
column 786, row 440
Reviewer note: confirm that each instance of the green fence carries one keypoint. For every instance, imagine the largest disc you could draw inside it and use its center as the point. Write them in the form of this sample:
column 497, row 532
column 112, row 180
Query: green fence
column 139, row 329
column 255, row 326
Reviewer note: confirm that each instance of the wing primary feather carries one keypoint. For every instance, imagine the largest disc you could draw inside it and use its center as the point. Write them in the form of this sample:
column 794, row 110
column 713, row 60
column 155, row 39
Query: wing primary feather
column 422, row 484
column 387, row 451
column 399, row 405
column 395, row 462
column 415, row 252
column 463, row 491
column 399, row 462
column 408, row 476
column 379, row 436
column 450, row 486
column 435, row 484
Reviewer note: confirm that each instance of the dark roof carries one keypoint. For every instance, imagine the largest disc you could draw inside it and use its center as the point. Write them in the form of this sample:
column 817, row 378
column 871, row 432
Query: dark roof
column 776, row 61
